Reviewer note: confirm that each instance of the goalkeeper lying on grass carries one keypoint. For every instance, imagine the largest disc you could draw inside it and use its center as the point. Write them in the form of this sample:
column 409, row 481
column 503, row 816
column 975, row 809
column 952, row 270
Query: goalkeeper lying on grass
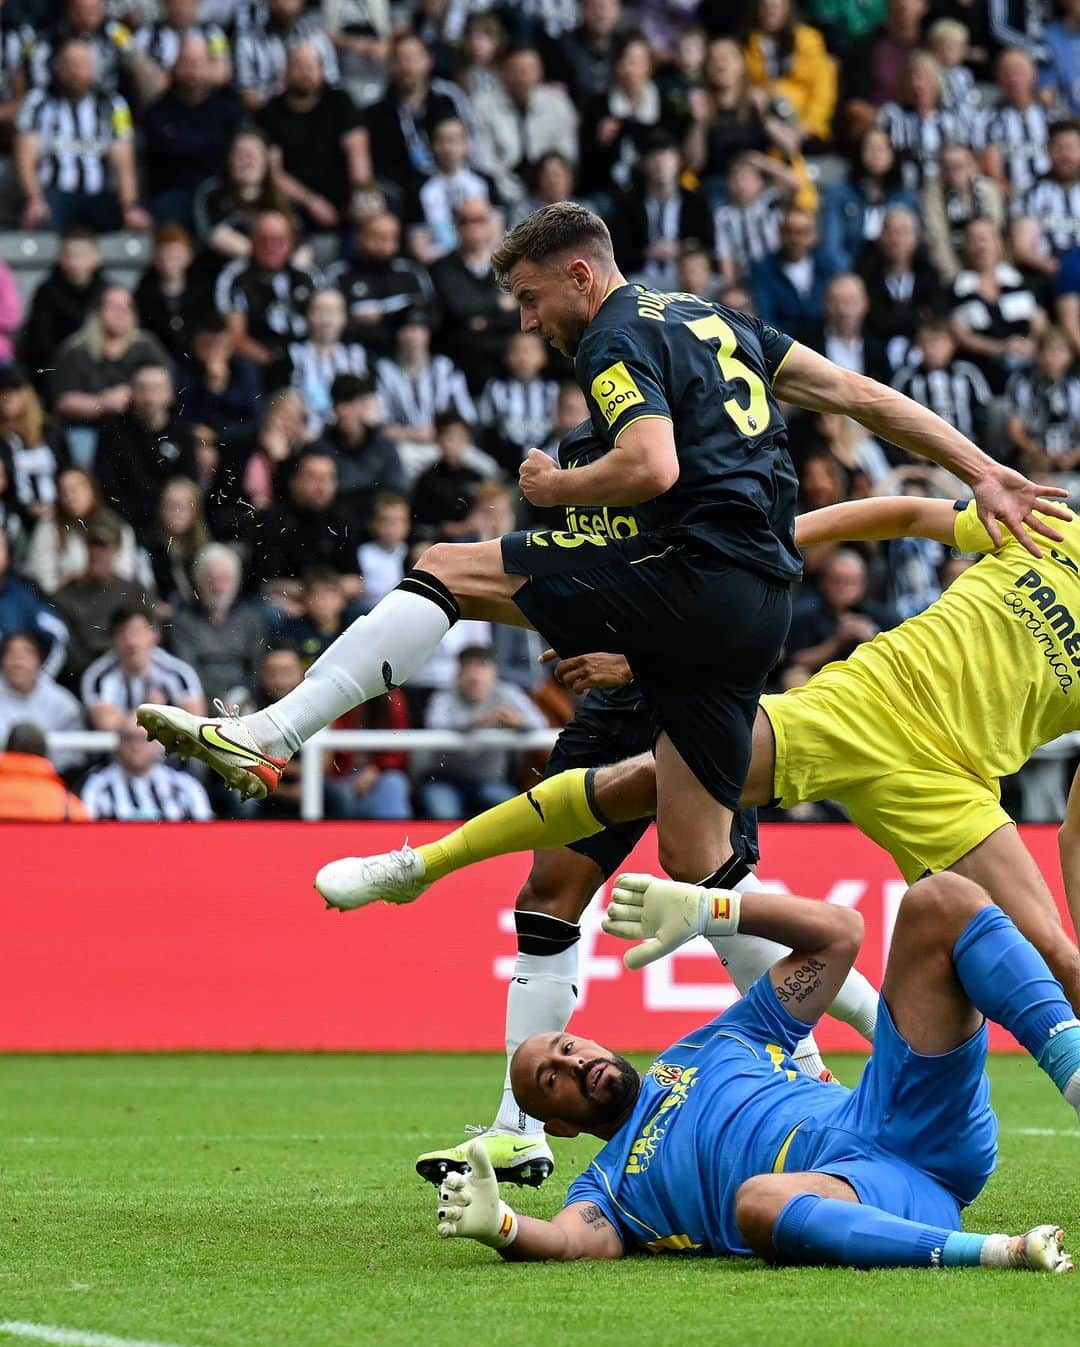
column 723, row 1148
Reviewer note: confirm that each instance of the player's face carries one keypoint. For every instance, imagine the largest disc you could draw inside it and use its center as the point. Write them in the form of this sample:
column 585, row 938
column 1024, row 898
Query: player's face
column 553, row 301
column 561, row 1078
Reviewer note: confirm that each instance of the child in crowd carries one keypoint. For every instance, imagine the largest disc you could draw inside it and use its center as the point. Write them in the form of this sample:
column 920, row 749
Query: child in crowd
column 383, row 557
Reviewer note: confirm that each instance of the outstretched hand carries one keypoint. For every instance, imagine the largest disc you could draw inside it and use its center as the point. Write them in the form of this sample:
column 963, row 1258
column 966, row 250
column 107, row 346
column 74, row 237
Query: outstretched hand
column 1003, row 496
column 661, row 913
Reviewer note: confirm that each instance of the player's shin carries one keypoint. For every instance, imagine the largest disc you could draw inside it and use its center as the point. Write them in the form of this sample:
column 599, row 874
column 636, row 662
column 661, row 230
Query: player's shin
column 1006, row 977
column 550, row 814
column 540, row 998
column 820, row 1230
column 372, row 655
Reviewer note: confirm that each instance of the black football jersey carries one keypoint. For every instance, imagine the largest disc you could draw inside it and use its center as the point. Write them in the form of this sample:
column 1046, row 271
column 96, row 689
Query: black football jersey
column 709, row 370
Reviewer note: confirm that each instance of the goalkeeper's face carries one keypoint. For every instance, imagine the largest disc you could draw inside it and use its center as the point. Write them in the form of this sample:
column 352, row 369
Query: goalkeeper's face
column 573, row 1084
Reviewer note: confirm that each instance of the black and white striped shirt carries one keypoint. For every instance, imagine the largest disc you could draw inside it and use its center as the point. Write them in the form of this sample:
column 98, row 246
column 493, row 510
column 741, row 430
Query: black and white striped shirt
column 416, row 397
column 161, row 41
column 1050, row 411
column 1055, row 206
column 748, row 233
column 259, row 56
column 520, row 413
column 958, row 393
column 161, row 793
column 1021, row 135
column 33, row 469
column 313, row 369
column 918, row 140
column 167, row 679
column 75, row 138
column 108, row 43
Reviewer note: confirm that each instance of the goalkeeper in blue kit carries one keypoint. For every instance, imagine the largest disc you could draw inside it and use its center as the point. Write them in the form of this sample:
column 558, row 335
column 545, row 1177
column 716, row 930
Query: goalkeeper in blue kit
column 723, row 1148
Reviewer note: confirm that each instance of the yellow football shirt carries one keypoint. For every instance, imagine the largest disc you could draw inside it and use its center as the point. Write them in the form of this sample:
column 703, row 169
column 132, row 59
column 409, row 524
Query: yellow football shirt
column 992, row 669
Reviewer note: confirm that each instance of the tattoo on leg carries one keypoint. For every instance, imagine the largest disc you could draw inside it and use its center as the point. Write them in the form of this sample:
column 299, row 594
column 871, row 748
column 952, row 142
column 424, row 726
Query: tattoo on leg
column 799, row 985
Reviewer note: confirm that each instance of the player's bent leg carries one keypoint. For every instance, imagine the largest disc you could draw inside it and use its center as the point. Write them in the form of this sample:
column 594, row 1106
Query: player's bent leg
column 540, row 999
column 995, row 972
column 792, row 1218
column 1006, row 869
column 760, row 1200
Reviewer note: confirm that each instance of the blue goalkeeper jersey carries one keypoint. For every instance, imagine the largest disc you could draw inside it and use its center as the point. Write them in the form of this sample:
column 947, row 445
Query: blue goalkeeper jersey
column 719, row 1106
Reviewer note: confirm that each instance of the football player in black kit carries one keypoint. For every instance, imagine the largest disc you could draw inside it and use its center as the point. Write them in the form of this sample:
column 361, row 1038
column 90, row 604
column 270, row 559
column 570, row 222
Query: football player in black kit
column 685, row 393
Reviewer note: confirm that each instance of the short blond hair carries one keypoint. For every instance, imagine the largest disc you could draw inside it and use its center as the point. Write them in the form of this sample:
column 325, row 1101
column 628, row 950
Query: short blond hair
column 561, row 227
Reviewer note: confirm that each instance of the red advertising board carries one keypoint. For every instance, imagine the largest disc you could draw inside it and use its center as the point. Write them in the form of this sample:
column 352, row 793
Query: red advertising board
column 210, row 936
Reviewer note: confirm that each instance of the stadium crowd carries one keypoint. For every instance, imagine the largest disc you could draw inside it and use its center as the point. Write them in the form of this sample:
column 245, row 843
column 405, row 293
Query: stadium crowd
column 205, row 475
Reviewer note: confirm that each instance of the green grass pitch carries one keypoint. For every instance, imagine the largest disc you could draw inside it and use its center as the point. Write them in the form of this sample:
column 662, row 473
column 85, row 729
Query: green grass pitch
column 269, row 1201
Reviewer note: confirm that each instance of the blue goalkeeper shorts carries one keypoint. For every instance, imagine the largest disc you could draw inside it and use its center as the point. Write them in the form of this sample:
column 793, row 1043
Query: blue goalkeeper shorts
column 916, row 1137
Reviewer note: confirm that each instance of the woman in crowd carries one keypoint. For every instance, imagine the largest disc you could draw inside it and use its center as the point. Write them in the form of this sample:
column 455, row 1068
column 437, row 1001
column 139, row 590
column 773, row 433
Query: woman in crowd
column 853, row 210
column 32, row 446
column 225, row 208
column 788, row 60
column 57, row 551
column 178, row 538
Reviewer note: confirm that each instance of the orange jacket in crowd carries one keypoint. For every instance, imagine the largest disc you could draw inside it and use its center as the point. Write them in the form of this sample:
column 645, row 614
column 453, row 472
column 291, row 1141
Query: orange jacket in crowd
column 31, row 789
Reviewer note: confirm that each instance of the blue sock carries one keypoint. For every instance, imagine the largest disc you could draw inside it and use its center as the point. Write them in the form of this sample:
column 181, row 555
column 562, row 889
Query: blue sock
column 815, row 1230
column 1007, row 979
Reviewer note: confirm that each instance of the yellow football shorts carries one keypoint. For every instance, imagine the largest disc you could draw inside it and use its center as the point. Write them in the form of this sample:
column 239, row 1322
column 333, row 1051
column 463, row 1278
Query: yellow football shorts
column 838, row 738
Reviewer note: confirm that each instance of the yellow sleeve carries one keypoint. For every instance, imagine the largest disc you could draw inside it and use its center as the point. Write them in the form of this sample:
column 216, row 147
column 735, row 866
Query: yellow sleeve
column 971, row 534
column 815, row 70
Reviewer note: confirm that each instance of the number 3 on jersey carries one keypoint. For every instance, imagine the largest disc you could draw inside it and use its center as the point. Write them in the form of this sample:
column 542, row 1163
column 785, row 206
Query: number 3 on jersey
column 753, row 419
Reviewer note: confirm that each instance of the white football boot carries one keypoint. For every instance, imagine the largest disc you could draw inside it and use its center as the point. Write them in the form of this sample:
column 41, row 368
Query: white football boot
column 355, row 881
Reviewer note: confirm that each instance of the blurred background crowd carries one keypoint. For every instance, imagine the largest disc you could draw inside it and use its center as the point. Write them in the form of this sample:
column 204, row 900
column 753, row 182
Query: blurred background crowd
column 253, row 357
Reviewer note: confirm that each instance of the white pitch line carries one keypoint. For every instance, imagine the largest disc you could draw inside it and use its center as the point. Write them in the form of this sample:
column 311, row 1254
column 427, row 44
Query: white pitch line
column 70, row 1337
column 1043, row 1132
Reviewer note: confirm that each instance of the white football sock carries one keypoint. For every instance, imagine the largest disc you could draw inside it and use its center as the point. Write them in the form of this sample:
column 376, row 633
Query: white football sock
column 372, row 654
column 540, row 999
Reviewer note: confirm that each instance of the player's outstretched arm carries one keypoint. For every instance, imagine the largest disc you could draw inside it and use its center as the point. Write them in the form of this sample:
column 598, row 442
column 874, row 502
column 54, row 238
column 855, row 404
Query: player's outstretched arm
column 877, row 520
column 665, row 913
column 470, row 1208
column 809, row 380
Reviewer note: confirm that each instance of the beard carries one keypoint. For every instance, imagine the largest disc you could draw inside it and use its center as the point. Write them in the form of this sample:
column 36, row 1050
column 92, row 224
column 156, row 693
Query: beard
column 620, row 1086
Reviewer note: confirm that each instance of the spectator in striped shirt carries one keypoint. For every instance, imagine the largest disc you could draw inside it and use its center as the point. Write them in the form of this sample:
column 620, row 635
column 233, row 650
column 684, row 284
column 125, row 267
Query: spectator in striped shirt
column 1045, row 405
column 416, row 386
column 747, row 225
column 32, row 447
column 518, row 411
column 314, row 364
column 261, row 50
column 1015, row 133
column 949, row 42
column 16, row 43
column 83, row 21
column 137, row 670
column 958, row 195
column 139, row 787
column 1047, row 216
column 921, row 125
column 73, row 153
column 955, row 389
column 156, row 49
column 432, row 231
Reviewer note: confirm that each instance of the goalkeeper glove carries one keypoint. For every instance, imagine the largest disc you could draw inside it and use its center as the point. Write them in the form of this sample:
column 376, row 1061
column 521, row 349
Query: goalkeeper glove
column 664, row 914
column 469, row 1204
